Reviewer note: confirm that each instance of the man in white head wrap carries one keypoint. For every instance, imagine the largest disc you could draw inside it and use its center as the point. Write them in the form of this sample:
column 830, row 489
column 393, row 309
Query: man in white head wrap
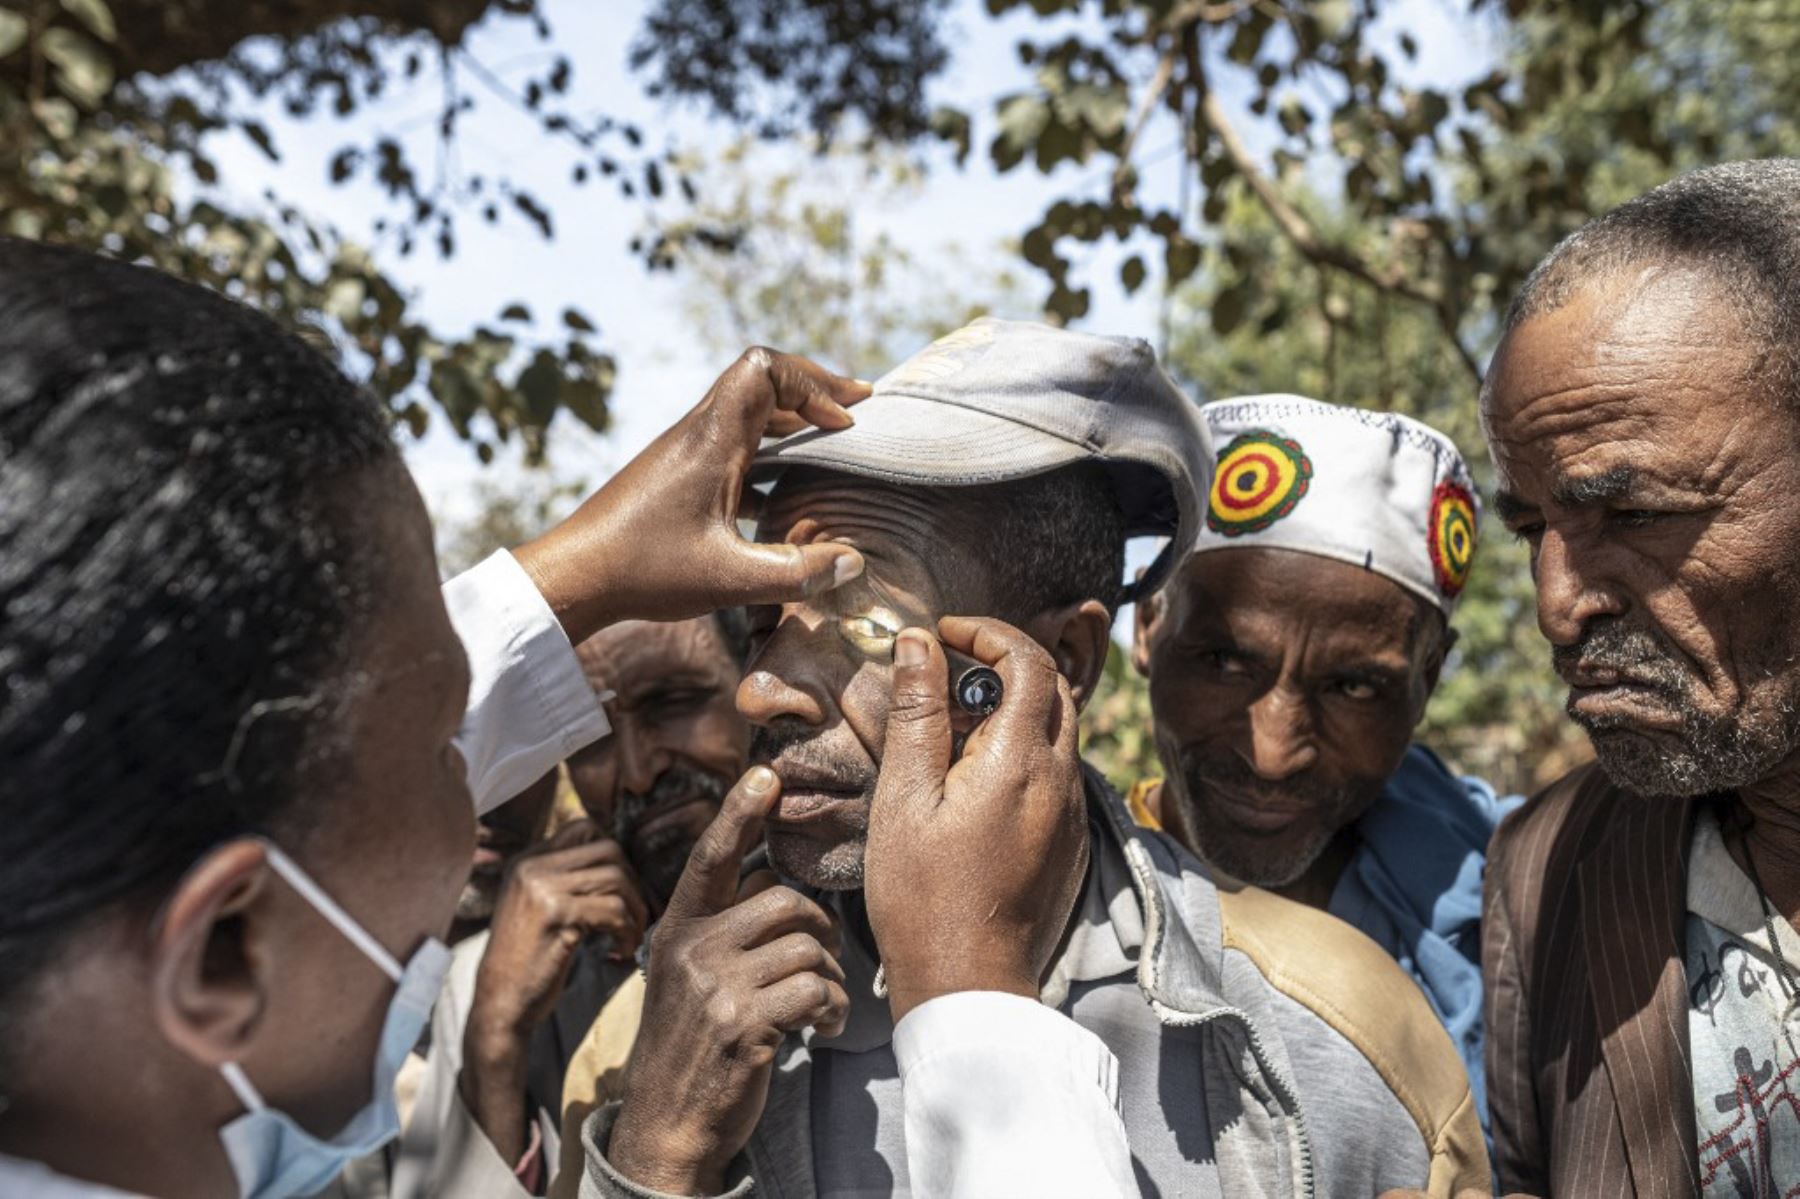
column 1290, row 659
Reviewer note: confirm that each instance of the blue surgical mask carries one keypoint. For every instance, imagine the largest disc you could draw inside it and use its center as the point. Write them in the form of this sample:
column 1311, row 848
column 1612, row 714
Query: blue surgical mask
column 273, row 1156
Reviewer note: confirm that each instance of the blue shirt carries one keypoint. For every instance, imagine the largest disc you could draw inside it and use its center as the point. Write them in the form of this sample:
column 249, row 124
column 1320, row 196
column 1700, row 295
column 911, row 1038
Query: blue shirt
column 1414, row 886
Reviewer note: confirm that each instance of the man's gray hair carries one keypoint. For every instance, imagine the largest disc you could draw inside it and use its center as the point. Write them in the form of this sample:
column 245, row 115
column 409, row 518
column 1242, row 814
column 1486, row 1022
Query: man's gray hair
column 1738, row 221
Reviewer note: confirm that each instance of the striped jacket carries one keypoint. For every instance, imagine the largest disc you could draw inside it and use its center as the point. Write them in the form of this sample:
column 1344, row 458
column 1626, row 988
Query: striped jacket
column 1589, row 1083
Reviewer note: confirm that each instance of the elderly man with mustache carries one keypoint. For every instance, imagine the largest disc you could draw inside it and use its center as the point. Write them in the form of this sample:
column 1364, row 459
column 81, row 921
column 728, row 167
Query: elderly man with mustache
column 1644, row 414
column 571, row 910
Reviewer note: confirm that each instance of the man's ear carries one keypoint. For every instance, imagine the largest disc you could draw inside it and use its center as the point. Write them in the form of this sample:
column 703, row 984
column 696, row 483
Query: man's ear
column 1145, row 615
column 1078, row 638
column 207, row 972
column 1434, row 665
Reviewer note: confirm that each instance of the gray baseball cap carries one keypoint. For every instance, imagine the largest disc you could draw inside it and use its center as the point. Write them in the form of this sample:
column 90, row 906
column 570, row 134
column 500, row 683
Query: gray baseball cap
column 1002, row 400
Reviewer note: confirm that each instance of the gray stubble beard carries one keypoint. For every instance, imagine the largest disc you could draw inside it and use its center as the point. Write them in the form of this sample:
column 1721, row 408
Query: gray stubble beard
column 1709, row 753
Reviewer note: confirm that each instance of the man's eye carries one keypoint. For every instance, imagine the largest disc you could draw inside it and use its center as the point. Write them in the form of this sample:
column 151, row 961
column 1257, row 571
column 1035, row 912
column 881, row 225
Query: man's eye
column 1528, row 530
column 674, row 703
column 870, row 637
column 1635, row 518
column 1224, row 662
column 1358, row 689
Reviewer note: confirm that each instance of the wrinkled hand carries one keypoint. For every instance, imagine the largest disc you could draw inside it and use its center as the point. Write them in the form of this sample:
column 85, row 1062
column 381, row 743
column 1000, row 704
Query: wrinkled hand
column 973, row 868
column 732, row 970
column 660, row 540
column 575, row 886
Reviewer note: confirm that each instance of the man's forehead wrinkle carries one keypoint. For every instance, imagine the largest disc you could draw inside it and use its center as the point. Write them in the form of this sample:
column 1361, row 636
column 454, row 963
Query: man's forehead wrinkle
column 1588, row 408
column 906, row 533
column 912, row 513
column 1392, row 619
column 1620, row 337
column 628, row 655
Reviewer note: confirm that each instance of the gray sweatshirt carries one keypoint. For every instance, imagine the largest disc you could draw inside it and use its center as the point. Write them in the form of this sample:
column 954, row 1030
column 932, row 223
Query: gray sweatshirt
column 1264, row 1048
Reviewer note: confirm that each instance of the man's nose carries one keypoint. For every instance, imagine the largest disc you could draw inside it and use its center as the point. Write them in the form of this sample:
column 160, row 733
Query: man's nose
column 1572, row 588
column 767, row 696
column 641, row 763
column 1282, row 742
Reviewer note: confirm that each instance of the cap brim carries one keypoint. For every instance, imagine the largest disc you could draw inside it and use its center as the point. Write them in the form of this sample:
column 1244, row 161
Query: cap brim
column 906, row 439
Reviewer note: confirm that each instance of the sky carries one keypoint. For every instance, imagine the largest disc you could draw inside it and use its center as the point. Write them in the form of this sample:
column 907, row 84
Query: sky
column 663, row 367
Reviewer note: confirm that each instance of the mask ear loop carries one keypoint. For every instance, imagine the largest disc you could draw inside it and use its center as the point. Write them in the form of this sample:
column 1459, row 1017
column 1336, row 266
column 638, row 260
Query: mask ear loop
column 240, row 1085
column 328, row 907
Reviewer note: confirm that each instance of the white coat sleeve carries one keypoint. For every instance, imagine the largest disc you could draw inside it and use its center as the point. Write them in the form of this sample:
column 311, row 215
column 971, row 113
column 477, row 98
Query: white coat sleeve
column 1006, row 1096
column 529, row 704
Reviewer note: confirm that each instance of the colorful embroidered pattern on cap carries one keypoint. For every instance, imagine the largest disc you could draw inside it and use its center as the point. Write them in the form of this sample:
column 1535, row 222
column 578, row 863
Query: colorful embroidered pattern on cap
column 1452, row 536
column 1261, row 476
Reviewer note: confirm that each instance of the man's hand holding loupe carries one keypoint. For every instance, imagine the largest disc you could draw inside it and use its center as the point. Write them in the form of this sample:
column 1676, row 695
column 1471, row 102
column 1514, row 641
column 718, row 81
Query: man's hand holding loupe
column 950, row 912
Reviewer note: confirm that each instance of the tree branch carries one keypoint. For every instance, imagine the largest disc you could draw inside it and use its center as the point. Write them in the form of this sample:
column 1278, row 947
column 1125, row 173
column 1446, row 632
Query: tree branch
column 1159, row 83
column 1293, row 223
column 1203, row 13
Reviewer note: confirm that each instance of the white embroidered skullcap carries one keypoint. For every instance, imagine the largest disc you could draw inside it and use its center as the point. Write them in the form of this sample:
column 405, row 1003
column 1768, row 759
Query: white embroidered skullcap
column 1375, row 489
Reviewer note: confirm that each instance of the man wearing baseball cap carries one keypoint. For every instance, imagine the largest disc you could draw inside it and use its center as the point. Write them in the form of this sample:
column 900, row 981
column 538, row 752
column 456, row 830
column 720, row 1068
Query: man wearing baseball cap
column 1290, row 658
column 1208, row 1039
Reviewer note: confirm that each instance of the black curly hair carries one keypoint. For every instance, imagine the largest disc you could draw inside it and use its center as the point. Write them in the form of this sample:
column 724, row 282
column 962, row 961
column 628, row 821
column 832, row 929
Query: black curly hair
column 177, row 585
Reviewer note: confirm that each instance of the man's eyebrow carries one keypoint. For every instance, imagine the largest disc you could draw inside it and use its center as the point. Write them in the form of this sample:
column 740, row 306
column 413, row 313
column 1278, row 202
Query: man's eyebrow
column 1571, row 493
column 1374, row 670
column 1594, row 489
column 677, row 680
column 1510, row 507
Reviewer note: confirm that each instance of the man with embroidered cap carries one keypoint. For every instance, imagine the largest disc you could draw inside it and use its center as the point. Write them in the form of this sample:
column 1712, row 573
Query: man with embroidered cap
column 1291, row 656
column 1179, row 1037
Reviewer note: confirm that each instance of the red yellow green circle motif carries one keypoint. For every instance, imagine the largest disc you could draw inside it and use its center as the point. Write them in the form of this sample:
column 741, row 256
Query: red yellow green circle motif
column 1260, row 477
column 1451, row 536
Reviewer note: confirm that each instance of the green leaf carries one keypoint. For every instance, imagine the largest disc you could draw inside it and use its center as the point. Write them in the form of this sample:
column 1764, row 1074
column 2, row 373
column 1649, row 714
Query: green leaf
column 1248, row 39
column 96, row 16
column 952, row 125
column 1229, row 307
column 1021, row 120
column 515, row 312
column 344, row 299
column 1068, row 303
column 14, row 29
column 83, row 69
column 1132, row 273
column 585, row 397
column 258, row 133
column 1333, row 17
column 1181, row 257
column 576, row 320
column 536, row 213
column 457, row 394
column 60, row 118
column 540, row 385
column 1293, row 115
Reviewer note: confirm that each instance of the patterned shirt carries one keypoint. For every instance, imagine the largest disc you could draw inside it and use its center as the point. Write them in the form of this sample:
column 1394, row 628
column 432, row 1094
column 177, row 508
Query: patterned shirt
column 1743, row 1029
